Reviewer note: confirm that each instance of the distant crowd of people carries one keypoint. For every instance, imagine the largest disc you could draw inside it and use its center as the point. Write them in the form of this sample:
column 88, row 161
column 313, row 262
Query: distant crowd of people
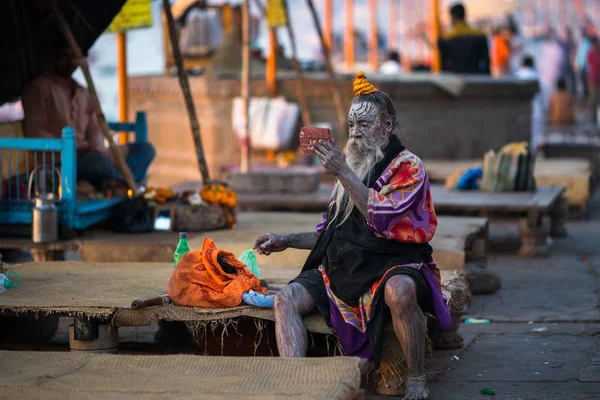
column 568, row 68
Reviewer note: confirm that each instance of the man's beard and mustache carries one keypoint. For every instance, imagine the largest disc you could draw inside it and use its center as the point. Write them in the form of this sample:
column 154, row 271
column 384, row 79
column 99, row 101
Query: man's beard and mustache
column 361, row 155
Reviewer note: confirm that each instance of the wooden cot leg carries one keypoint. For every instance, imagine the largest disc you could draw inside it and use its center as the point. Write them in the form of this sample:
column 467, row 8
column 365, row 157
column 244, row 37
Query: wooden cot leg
column 534, row 237
column 557, row 218
column 94, row 336
column 45, row 255
column 450, row 339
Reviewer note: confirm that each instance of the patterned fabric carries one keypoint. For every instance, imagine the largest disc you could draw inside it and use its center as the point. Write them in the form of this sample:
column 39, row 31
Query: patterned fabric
column 358, row 316
column 399, row 208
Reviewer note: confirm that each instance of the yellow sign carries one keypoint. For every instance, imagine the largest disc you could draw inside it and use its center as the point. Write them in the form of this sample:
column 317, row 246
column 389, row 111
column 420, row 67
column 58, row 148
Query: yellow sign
column 134, row 14
column 276, row 15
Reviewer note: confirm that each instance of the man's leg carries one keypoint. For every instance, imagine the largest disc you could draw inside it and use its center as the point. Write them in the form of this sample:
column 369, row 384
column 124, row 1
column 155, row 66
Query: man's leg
column 95, row 168
column 139, row 158
column 291, row 304
column 411, row 329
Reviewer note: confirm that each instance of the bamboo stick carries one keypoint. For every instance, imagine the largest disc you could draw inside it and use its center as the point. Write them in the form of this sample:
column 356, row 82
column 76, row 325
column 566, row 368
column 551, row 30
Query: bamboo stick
column 328, row 24
column 187, row 94
column 393, row 32
column 436, row 62
column 299, row 78
column 373, row 36
column 271, row 72
column 349, row 35
column 337, row 93
column 116, row 151
column 245, row 90
column 122, row 77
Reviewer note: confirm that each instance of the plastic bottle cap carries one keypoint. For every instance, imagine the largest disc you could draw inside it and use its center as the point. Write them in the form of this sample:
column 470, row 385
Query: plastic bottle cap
column 182, row 235
column 8, row 283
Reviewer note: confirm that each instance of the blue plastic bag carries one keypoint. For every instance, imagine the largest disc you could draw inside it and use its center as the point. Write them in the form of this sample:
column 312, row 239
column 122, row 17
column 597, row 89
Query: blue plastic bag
column 258, row 299
column 249, row 258
column 470, row 180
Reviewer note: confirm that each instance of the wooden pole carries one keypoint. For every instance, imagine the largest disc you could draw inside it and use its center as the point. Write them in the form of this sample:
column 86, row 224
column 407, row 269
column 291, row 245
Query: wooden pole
column 349, row 35
column 328, row 24
column 227, row 19
column 68, row 35
column 373, row 34
column 406, row 55
column 122, row 78
column 422, row 19
column 337, row 93
column 306, row 120
column 245, row 90
column 299, row 78
column 187, row 94
column 271, row 72
column 436, row 63
column 393, row 31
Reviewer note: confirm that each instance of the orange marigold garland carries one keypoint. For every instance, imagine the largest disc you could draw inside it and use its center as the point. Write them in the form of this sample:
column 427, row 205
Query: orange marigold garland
column 159, row 195
column 218, row 194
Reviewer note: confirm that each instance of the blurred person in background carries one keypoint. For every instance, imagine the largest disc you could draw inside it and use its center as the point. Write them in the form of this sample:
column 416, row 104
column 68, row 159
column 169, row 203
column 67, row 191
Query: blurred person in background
column 11, row 112
column 593, row 66
column 501, row 52
column 464, row 50
column 581, row 61
column 527, row 71
column 55, row 100
column 392, row 65
column 562, row 105
column 517, row 44
column 569, row 48
column 551, row 65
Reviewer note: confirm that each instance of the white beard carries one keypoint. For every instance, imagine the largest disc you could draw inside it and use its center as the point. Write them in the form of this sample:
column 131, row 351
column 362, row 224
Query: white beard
column 361, row 156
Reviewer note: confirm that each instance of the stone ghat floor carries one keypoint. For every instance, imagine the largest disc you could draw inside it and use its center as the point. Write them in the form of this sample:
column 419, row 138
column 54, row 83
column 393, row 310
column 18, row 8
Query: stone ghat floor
column 544, row 338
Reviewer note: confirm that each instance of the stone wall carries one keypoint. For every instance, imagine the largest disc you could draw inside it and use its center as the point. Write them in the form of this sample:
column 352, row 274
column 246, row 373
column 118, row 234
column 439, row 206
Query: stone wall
column 443, row 118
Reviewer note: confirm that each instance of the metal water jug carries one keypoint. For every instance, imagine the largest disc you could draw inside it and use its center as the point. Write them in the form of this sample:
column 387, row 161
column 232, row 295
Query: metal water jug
column 45, row 213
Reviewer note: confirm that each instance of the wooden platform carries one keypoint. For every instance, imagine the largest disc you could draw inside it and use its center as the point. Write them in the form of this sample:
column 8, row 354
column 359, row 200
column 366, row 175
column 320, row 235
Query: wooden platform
column 458, row 240
column 293, row 180
column 575, row 174
column 540, row 201
column 531, row 208
column 306, row 202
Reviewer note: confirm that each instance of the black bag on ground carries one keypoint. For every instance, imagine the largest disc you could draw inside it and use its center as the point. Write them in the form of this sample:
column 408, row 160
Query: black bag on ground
column 132, row 216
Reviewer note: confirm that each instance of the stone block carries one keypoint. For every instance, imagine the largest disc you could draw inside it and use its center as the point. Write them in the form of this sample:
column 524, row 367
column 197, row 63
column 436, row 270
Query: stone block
column 287, row 180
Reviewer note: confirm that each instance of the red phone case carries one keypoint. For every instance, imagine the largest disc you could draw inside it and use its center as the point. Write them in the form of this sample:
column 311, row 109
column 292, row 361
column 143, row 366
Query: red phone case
column 309, row 134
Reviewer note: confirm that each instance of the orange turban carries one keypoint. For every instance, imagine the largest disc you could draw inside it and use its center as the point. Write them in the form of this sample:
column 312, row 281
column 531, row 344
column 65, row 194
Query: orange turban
column 361, row 85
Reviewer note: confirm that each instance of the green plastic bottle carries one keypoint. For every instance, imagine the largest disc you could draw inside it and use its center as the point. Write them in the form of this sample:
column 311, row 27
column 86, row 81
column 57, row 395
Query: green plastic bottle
column 181, row 249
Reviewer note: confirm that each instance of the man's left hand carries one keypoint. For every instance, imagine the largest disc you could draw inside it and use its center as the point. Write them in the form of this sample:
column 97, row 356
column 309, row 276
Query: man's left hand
column 332, row 158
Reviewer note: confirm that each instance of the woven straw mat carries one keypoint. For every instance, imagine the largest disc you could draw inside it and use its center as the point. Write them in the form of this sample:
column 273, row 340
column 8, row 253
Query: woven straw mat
column 65, row 376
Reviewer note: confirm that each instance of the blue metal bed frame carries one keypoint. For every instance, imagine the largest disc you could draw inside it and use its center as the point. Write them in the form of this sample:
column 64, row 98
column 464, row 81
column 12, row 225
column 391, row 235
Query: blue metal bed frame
column 72, row 214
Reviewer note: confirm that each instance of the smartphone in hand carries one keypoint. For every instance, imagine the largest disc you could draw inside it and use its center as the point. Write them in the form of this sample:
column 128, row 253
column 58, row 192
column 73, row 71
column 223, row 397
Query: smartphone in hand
column 310, row 134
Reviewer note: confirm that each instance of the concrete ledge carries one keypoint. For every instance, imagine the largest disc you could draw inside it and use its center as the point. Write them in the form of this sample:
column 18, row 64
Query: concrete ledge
column 270, row 180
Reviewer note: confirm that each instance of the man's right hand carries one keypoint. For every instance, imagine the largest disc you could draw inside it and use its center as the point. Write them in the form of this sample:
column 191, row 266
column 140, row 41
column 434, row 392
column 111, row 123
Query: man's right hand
column 270, row 243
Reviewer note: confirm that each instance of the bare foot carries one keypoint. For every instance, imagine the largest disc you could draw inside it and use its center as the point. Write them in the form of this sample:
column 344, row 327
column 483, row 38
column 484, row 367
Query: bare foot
column 416, row 388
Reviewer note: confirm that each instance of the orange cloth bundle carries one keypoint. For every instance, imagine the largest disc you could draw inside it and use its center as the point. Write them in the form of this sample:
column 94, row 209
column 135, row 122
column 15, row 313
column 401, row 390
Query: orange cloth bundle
column 199, row 280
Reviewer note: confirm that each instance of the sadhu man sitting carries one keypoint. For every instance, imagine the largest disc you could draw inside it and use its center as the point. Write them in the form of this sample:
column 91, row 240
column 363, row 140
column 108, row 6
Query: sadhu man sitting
column 370, row 255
